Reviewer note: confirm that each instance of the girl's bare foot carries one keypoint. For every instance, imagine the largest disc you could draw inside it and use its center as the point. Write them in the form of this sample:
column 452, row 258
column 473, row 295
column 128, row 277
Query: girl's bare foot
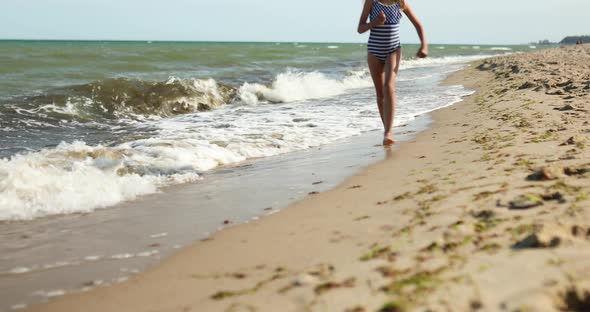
column 388, row 139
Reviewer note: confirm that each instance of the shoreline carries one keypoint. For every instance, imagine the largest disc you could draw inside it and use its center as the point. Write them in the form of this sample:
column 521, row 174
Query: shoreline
column 135, row 236
column 417, row 127
column 462, row 217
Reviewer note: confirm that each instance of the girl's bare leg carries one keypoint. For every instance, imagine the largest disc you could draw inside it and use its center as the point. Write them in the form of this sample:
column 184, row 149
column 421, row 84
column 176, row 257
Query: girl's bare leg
column 377, row 69
column 391, row 69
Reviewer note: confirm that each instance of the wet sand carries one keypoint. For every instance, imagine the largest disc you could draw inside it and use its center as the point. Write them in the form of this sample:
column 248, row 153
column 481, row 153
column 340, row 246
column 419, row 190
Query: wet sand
column 487, row 210
column 71, row 253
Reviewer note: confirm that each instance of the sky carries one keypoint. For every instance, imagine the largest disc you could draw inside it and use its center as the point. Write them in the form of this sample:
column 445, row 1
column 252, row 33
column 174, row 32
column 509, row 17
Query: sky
column 458, row 21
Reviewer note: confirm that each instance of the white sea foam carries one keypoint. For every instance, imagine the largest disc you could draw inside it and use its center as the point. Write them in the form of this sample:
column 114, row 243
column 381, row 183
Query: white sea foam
column 55, row 293
column 500, row 49
column 120, row 279
column 414, row 78
column 19, row 306
column 159, row 235
column 439, row 61
column 296, row 86
column 148, row 253
column 122, row 256
column 204, row 91
column 50, row 293
column 74, row 178
column 20, row 270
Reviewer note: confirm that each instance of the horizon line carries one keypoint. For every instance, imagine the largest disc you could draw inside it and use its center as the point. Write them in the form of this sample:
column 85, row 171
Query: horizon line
column 237, row 41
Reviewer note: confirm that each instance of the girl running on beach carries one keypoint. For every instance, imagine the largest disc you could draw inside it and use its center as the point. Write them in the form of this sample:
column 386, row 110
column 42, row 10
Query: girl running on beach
column 384, row 52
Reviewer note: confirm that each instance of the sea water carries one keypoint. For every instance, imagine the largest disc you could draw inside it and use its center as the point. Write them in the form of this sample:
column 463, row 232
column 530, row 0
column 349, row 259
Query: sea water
column 90, row 124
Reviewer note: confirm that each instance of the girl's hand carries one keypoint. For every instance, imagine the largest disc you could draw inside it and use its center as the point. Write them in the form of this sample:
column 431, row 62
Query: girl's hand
column 422, row 53
column 381, row 19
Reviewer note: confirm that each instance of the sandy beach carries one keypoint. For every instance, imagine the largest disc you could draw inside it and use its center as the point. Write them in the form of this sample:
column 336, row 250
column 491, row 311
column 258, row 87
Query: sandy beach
column 487, row 210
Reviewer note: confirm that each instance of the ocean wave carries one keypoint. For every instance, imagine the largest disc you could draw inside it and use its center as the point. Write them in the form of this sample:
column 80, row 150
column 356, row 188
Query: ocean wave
column 437, row 61
column 80, row 178
column 141, row 100
column 116, row 99
column 124, row 98
column 500, row 49
column 77, row 178
column 294, row 85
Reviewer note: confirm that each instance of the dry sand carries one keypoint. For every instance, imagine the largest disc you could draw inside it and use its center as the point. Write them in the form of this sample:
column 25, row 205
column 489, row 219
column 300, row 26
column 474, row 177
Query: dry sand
column 486, row 211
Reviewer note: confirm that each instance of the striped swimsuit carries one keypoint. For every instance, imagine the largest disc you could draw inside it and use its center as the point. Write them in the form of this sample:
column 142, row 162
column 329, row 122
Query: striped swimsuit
column 384, row 39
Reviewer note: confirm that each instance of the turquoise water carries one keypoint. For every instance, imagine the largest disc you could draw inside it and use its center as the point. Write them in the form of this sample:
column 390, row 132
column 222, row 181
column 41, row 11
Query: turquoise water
column 128, row 118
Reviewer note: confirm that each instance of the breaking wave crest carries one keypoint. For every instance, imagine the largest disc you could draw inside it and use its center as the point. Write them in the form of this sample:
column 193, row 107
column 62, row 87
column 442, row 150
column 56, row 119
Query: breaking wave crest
column 140, row 99
column 77, row 178
column 297, row 86
column 125, row 98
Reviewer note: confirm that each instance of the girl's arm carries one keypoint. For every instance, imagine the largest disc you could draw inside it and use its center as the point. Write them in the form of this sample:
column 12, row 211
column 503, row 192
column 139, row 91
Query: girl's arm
column 423, row 52
column 363, row 25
